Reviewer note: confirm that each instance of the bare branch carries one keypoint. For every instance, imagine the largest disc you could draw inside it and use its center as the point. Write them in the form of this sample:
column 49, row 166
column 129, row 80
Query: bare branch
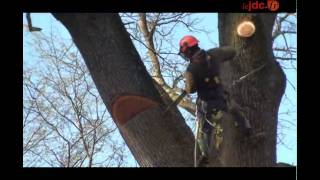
column 286, row 59
column 31, row 28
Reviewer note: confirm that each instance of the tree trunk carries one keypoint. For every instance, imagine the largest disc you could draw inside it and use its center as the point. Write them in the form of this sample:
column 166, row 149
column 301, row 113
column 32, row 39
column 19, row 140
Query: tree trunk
column 137, row 106
column 259, row 94
column 122, row 81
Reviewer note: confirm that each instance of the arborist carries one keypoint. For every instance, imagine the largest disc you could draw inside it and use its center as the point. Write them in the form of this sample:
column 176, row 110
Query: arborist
column 202, row 76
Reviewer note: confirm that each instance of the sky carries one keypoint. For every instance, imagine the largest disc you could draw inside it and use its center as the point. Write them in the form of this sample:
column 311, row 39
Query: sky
column 285, row 153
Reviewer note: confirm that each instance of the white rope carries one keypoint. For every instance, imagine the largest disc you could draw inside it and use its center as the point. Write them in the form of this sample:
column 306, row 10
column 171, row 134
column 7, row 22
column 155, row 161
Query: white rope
column 211, row 124
column 250, row 73
column 195, row 145
column 195, row 140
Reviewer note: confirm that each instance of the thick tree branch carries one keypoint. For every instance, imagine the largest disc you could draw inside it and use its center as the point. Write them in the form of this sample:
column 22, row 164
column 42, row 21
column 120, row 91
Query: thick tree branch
column 141, row 132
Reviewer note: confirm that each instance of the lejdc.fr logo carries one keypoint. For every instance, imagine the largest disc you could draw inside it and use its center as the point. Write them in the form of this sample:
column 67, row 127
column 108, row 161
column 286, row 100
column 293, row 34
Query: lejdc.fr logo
column 272, row 5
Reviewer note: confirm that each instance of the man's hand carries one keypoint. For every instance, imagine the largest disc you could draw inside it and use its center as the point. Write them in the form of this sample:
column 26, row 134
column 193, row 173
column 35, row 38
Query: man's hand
column 221, row 54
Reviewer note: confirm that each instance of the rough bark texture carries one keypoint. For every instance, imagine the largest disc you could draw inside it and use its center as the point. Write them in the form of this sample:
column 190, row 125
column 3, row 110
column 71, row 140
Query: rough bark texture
column 116, row 69
column 259, row 94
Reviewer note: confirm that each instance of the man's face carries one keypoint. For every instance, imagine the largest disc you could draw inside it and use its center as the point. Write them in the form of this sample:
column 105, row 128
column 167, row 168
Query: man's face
column 185, row 53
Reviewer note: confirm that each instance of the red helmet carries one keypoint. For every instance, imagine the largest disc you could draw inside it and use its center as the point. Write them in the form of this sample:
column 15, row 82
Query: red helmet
column 187, row 42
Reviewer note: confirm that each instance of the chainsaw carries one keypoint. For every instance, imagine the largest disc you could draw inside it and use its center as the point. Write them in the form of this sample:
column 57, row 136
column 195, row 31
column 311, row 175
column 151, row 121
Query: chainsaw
column 175, row 103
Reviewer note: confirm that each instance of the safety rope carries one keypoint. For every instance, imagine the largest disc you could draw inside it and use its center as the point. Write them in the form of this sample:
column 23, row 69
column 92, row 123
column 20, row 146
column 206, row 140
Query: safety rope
column 249, row 74
column 196, row 138
column 195, row 145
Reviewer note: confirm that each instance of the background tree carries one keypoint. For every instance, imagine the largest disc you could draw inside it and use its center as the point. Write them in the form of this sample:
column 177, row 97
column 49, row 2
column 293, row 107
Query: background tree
column 65, row 122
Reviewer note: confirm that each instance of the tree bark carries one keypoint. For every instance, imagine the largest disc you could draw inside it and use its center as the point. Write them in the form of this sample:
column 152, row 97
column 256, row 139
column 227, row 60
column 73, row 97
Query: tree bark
column 259, row 94
column 117, row 70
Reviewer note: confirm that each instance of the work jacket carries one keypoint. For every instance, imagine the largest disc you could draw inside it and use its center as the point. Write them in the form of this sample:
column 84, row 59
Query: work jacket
column 202, row 74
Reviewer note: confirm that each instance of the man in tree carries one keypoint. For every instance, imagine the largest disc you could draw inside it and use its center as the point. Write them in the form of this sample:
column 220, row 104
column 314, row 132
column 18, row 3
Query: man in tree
column 202, row 76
